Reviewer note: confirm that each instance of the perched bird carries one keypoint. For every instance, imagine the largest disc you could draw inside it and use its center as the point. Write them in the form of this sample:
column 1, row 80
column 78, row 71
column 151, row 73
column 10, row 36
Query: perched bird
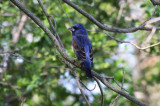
column 82, row 47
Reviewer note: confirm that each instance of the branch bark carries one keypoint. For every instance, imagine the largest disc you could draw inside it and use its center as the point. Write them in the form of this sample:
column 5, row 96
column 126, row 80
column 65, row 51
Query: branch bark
column 155, row 2
column 101, row 26
column 106, row 83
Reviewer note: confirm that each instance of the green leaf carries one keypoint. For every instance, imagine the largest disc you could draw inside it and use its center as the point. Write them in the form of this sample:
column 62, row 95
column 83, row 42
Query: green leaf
column 18, row 92
column 143, row 5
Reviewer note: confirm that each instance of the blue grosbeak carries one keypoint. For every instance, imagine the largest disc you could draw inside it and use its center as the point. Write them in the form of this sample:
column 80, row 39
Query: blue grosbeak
column 82, row 47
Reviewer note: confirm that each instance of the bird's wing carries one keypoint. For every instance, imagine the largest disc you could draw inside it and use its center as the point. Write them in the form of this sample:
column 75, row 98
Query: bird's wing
column 79, row 42
column 78, row 48
column 91, row 54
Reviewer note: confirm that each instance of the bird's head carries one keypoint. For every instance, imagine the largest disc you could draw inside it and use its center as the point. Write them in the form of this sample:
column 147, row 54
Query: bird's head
column 77, row 28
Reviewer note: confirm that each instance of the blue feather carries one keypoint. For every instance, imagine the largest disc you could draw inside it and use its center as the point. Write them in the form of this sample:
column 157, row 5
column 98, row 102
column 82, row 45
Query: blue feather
column 87, row 62
column 82, row 47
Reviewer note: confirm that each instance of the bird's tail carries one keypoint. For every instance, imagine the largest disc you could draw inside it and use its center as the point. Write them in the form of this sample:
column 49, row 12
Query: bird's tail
column 87, row 66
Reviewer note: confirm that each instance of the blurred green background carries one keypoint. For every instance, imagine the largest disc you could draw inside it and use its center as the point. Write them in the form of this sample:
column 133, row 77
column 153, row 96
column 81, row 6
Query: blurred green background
column 35, row 74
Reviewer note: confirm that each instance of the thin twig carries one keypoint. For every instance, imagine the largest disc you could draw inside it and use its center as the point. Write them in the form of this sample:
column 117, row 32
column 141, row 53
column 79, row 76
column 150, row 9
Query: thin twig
column 153, row 20
column 102, row 95
column 50, row 22
column 80, row 88
column 9, row 85
column 22, row 101
column 145, row 22
column 114, row 99
column 9, row 52
column 65, row 11
column 141, row 48
column 14, row 54
column 107, row 77
column 122, row 5
column 118, row 94
column 86, row 86
column 150, row 36
column 55, row 24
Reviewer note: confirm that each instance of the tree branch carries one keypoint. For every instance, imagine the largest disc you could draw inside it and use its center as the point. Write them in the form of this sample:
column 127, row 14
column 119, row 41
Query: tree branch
column 155, row 2
column 100, row 25
column 46, row 30
column 106, row 83
column 86, row 86
column 141, row 48
column 102, row 95
column 118, row 94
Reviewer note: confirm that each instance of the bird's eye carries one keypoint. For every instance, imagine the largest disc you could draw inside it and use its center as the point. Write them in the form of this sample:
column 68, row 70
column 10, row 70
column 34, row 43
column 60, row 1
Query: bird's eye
column 75, row 27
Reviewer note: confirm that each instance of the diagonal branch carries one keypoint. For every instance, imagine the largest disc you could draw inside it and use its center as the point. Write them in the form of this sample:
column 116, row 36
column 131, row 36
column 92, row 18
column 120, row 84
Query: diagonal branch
column 100, row 25
column 122, row 93
column 46, row 30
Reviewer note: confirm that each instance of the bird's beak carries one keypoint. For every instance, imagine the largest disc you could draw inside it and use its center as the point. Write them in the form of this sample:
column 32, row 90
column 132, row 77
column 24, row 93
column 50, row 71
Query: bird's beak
column 71, row 29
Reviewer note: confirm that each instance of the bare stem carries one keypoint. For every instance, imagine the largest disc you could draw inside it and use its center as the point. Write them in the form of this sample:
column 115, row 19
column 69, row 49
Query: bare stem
column 102, row 95
column 140, row 48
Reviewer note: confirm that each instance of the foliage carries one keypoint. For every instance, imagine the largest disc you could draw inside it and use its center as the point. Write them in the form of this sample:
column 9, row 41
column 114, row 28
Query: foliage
column 39, row 76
